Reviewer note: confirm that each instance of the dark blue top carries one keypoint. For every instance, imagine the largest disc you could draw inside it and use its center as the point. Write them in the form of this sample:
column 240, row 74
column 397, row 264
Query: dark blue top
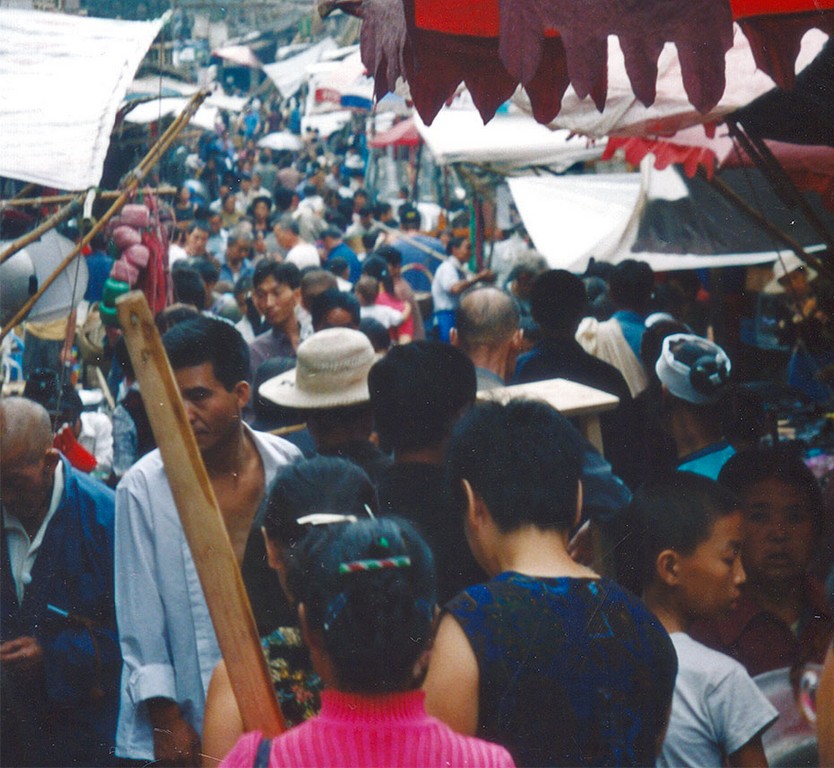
column 411, row 254
column 98, row 267
column 350, row 257
column 71, row 710
column 573, row 672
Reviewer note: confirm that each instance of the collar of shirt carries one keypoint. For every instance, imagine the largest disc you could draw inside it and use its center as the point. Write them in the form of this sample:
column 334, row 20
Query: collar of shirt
column 732, row 625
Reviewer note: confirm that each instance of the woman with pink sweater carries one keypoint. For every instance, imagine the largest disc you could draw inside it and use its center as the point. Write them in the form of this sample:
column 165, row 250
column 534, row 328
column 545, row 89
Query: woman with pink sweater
column 367, row 596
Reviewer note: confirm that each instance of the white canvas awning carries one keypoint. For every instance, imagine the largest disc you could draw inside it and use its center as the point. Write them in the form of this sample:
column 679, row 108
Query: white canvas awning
column 289, row 74
column 655, row 216
column 150, row 111
column 62, row 79
column 507, row 142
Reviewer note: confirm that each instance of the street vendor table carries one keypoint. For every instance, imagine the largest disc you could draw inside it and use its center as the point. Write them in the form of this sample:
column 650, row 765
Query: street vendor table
column 573, row 400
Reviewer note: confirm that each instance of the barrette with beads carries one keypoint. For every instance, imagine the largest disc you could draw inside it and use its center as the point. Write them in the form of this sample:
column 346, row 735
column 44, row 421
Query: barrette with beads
column 358, row 566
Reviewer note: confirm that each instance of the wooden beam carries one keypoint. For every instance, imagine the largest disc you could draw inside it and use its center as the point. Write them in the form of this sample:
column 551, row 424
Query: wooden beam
column 202, row 521
column 23, row 202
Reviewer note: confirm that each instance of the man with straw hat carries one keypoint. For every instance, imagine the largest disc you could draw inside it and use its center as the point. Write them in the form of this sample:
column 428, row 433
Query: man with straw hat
column 329, row 385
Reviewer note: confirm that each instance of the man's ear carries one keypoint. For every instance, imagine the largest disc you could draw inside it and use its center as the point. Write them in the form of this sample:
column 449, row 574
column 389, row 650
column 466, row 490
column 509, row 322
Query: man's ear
column 243, row 391
column 579, row 499
column 51, row 459
column 667, row 567
column 516, row 340
column 476, row 510
column 453, row 337
column 273, row 552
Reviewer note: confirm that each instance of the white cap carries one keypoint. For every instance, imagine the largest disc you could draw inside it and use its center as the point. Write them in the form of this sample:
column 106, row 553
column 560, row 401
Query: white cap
column 692, row 368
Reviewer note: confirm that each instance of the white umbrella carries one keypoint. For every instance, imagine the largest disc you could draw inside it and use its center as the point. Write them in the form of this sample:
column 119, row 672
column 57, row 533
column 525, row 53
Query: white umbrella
column 282, row 140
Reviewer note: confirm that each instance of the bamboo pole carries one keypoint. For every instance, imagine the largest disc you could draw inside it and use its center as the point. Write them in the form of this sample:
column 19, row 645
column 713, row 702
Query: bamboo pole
column 56, row 218
column 52, row 199
column 202, row 520
column 26, row 190
column 132, row 181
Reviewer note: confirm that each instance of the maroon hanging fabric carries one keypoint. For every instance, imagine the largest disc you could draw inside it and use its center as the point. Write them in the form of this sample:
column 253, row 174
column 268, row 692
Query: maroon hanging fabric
column 492, row 46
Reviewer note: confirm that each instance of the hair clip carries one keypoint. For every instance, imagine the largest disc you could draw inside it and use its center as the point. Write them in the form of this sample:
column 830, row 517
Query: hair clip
column 325, row 518
column 358, row 566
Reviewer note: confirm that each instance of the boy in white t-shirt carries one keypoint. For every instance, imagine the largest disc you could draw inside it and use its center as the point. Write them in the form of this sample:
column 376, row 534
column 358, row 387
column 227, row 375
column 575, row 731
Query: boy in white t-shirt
column 367, row 291
column 689, row 530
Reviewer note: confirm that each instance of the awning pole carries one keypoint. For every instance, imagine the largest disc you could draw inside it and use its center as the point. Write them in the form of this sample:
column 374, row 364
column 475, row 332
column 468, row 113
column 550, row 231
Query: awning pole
column 770, row 228
column 134, row 178
column 761, row 155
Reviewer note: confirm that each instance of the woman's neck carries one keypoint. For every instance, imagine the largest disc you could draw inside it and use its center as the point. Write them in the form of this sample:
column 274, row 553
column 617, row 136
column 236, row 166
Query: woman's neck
column 535, row 552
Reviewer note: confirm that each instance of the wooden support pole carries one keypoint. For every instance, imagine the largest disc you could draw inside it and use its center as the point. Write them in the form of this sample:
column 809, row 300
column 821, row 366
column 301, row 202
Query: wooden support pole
column 201, row 520
column 26, row 190
column 56, row 218
column 133, row 180
column 28, row 202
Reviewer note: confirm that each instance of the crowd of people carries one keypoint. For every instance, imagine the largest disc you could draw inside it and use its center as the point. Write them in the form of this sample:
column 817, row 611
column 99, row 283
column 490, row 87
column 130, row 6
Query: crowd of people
column 435, row 580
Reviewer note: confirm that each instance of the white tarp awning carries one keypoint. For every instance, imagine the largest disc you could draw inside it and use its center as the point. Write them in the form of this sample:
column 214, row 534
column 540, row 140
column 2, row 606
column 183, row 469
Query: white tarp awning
column 242, row 55
column 62, row 79
column 571, row 218
column 205, row 117
column 508, row 141
column 610, row 217
column 289, row 74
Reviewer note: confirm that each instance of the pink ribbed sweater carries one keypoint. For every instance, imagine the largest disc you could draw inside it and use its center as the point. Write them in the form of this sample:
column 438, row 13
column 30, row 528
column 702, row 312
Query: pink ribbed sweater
column 392, row 731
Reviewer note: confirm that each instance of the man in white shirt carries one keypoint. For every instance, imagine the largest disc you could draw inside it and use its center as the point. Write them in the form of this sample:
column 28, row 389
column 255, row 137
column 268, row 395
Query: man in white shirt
column 450, row 281
column 299, row 252
column 168, row 640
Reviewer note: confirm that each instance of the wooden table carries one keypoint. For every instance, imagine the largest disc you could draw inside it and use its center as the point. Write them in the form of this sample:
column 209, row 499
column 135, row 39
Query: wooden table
column 576, row 401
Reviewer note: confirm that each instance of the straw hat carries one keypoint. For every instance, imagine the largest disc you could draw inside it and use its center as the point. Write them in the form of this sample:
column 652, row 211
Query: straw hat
column 783, row 267
column 331, row 372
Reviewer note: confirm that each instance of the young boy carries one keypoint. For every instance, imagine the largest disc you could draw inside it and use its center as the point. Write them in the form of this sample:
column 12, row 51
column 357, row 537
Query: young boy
column 782, row 618
column 367, row 291
column 690, row 542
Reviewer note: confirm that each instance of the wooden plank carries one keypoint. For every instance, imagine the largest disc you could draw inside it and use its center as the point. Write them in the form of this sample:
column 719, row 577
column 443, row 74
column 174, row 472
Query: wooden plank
column 568, row 397
column 201, row 520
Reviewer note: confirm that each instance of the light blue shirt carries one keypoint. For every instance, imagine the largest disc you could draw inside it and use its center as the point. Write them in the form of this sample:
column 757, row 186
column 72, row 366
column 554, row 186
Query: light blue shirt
column 708, row 461
column 167, row 637
column 633, row 326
